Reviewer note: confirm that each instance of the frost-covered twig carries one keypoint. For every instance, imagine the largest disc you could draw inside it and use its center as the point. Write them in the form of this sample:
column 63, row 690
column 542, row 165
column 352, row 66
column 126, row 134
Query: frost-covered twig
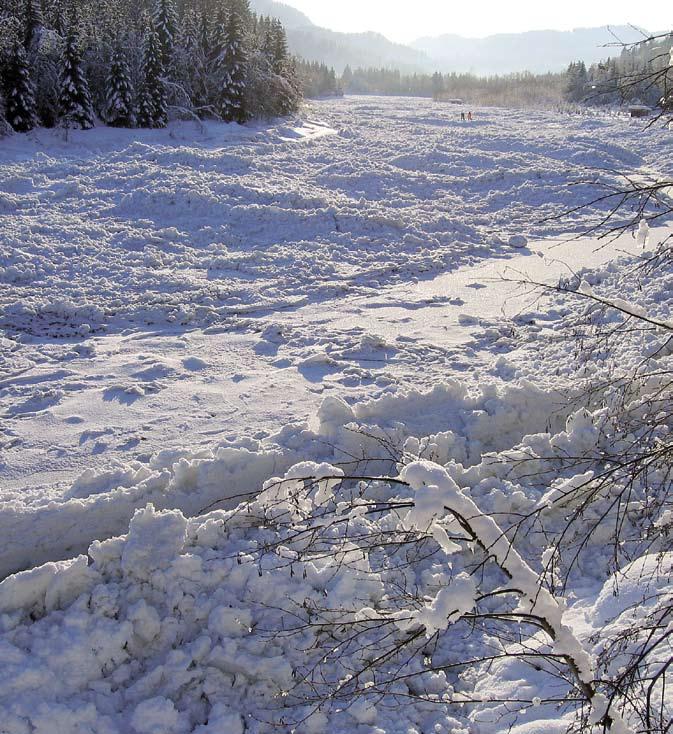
column 585, row 292
column 437, row 492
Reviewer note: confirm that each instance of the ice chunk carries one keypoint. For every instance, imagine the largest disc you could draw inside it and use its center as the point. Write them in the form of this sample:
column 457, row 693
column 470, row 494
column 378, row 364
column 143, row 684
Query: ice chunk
column 518, row 241
column 156, row 716
column 154, row 541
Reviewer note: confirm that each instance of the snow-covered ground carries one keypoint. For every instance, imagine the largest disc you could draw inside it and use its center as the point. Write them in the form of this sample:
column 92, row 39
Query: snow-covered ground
column 233, row 276
column 185, row 314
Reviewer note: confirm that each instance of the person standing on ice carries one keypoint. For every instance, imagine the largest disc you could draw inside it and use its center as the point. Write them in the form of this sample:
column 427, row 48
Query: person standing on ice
column 469, row 116
column 462, row 116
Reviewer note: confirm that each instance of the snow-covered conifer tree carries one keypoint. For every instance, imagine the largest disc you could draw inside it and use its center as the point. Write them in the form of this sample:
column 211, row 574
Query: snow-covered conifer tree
column 190, row 58
column 576, row 82
column 265, row 37
column 19, row 91
column 74, row 99
column 56, row 13
column 205, row 58
column 232, row 61
column 34, row 23
column 119, row 93
column 165, row 24
column 46, row 73
column 205, row 33
column 278, row 46
column 152, row 104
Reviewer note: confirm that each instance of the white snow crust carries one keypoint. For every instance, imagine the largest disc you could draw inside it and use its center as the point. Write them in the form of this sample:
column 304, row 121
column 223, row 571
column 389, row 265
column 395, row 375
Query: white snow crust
column 202, row 316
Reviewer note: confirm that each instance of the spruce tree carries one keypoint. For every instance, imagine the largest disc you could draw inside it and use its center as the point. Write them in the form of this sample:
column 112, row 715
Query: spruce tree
column 576, row 82
column 46, row 73
column 278, row 47
column 188, row 59
column 188, row 36
column 119, row 93
column 265, row 35
column 291, row 88
column 57, row 16
column 195, row 65
column 152, row 105
column 232, row 61
column 206, row 34
column 74, row 99
column 34, row 23
column 165, row 24
column 19, row 91
column 216, row 41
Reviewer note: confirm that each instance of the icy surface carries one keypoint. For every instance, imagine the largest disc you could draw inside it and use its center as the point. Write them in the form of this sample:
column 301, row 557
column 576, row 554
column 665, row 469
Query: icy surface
column 219, row 281
column 188, row 315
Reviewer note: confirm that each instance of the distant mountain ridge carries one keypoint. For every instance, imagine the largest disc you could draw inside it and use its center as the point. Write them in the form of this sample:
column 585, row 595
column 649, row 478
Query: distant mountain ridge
column 503, row 53
column 290, row 17
column 536, row 51
column 355, row 49
column 336, row 49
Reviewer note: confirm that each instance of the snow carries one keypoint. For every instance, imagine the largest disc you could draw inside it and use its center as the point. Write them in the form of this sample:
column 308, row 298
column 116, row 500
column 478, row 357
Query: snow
column 154, row 540
column 202, row 315
column 449, row 605
column 643, row 234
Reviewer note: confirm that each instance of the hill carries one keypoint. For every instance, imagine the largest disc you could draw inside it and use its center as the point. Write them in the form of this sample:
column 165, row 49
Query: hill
column 497, row 54
column 341, row 49
column 510, row 52
column 290, row 17
column 355, row 49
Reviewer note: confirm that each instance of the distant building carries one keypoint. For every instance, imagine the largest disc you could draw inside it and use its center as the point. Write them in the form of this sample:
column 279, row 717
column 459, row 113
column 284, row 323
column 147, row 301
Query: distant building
column 639, row 110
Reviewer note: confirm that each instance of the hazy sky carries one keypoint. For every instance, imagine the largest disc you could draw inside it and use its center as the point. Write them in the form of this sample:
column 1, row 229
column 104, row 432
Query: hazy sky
column 405, row 21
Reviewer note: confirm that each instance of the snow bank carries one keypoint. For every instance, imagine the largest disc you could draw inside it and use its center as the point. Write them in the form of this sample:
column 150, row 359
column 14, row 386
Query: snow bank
column 452, row 422
column 185, row 625
column 175, row 628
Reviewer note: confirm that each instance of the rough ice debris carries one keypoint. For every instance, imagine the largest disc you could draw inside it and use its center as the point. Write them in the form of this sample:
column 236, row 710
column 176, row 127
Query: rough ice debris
column 154, row 541
column 156, row 716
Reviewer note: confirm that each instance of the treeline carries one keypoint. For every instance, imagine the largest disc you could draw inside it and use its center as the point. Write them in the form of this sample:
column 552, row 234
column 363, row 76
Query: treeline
column 511, row 90
column 137, row 62
column 318, row 80
column 639, row 75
